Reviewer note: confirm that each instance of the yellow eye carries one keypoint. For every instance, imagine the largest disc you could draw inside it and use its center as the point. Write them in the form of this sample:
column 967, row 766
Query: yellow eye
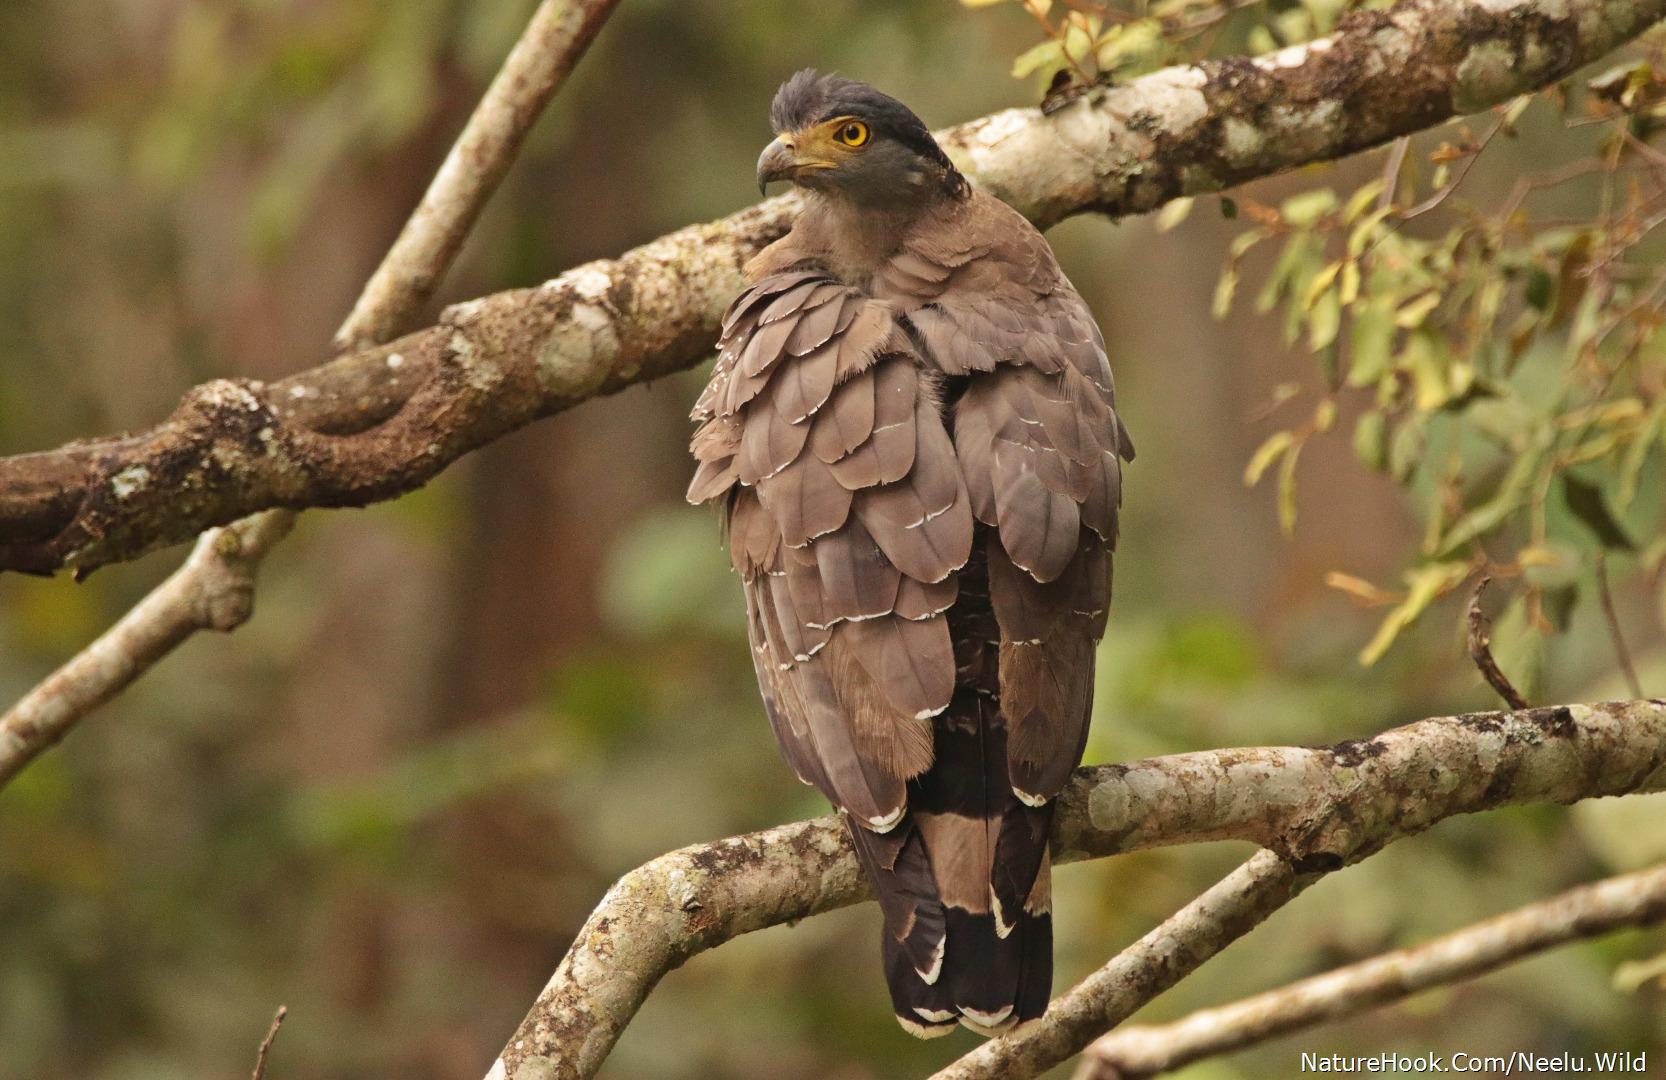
column 852, row 133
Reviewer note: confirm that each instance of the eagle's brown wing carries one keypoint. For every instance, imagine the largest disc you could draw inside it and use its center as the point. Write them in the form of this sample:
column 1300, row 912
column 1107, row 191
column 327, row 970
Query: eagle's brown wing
column 1041, row 449
column 919, row 481
column 847, row 520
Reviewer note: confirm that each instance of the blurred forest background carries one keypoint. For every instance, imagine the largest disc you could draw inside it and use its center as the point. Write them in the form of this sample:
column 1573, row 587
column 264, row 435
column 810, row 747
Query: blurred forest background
column 392, row 797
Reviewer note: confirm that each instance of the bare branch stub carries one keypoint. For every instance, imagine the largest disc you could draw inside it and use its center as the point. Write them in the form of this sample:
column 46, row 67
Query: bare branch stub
column 212, row 590
column 1480, row 649
column 259, row 1072
column 505, row 360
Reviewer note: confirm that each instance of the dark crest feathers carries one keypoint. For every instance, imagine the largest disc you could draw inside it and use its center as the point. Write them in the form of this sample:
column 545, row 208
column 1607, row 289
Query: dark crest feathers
column 809, row 97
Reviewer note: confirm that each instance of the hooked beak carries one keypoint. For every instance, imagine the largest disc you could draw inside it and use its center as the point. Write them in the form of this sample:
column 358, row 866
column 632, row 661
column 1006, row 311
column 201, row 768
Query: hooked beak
column 790, row 157
column 777, row 162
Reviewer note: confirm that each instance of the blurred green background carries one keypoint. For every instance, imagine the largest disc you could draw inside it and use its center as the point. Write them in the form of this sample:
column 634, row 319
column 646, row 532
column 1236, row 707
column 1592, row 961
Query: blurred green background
column 391, row 799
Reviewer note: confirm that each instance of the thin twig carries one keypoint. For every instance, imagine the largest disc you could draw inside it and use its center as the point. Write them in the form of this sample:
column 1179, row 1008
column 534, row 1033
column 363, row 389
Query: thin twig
column 1452, row 185
column 1480, row 650
column 1134, row 1053
column 555, row 37
column 266, row 1043
column 1621, row 652
column 1392, row 165
column 214, row 588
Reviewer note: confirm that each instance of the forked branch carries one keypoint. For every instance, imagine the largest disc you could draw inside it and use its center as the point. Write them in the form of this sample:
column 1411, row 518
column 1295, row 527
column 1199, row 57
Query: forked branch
column 1314, row 810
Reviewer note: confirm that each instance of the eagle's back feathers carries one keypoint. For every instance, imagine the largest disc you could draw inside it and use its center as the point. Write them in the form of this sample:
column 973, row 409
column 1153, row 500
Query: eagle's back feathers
column 920, row 474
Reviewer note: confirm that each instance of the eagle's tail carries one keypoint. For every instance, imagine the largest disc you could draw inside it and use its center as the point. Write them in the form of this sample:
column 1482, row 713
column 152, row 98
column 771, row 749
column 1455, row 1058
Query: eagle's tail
column 963, row 881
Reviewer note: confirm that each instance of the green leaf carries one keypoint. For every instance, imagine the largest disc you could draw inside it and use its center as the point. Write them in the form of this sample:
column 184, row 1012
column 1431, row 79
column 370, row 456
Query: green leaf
column 1362, row 200
column 1322, row 281
column 1135, row 48
column 1519, row 649
column 1405, row 450
column 1300, row 250
column 1304, row 211
column 1367, row 231
column 1324, row 321
column 1048, row 54
column 1287, row 490
column 1348, row 290
column 1414, row 314
column 1540, row 289
column 1422, row 360
column 1267, row 453
column 1229, row 208
column 1510, row 496
column 1371, row 440
column 1642, row 444
column 1372, row 338
column 1586, row 501
column 1225, row 288
column 1425, row 585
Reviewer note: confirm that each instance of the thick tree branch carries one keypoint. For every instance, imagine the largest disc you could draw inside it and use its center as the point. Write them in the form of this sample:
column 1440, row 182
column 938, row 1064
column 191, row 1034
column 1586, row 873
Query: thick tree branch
column 385, row 420
column 1315, row 809
column 214, row 589
column 1133, row 1053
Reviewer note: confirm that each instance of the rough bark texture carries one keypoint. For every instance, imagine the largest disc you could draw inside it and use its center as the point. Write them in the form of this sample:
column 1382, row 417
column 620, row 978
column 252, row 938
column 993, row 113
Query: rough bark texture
column 1134, row 1053
column 1316, row 809
column 383, row 421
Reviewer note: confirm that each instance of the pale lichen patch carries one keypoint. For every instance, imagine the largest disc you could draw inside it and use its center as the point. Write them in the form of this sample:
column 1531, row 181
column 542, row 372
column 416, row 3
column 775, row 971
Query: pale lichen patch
column 1176, row 95
column 575, row 360
column 1489, row 74
column 1241, row 142
column 130, row 480
column 1108, row 806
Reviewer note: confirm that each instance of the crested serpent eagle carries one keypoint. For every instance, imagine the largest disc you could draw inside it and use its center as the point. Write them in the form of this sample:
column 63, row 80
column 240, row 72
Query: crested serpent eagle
column 911, row 434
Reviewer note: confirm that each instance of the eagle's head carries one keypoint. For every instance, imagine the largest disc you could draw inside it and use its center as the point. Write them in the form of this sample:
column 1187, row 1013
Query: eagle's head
column 842, row 137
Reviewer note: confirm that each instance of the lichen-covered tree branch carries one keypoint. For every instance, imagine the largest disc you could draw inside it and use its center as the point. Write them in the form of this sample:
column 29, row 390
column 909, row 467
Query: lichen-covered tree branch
column 384, row 420
column 214, row 588
column 1312, row 811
